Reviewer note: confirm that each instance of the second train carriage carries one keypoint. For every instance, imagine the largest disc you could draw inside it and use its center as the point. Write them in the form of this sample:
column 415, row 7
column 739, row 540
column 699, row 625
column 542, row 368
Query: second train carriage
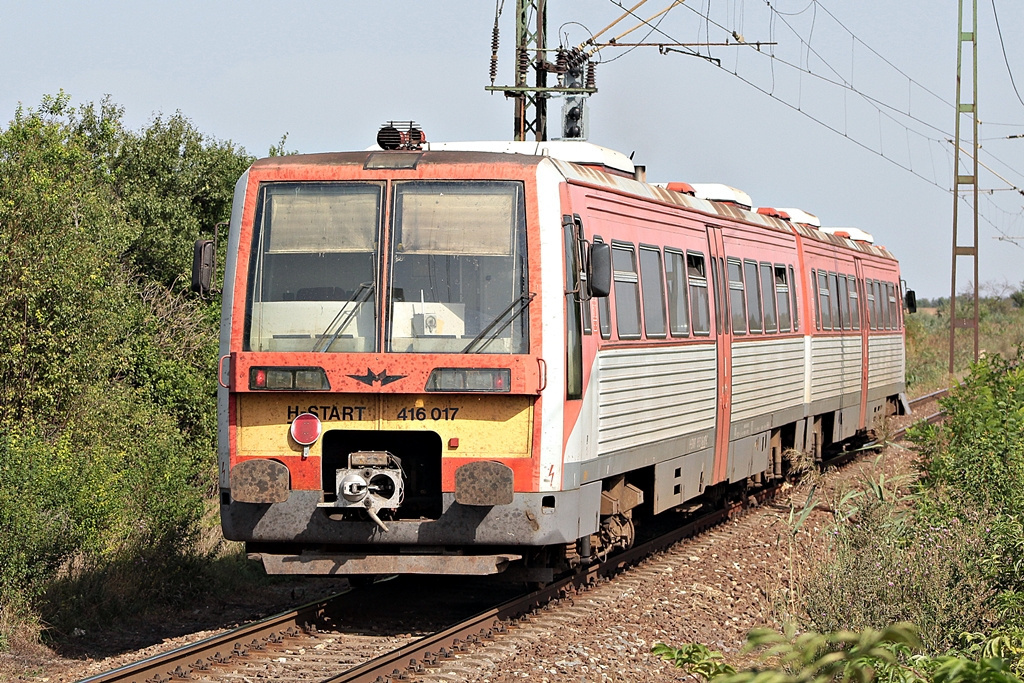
column 466, row 357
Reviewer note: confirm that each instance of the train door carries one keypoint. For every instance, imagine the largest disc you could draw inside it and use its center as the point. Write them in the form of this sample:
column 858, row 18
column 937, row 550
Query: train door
column 723, row 343
column 862, row 303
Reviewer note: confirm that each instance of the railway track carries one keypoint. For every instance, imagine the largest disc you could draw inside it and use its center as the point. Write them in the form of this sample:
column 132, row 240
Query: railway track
column 921, row 402
column 309, row 643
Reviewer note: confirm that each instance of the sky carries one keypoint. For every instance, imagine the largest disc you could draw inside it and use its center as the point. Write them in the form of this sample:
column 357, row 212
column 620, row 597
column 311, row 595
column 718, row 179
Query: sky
column 845, row 110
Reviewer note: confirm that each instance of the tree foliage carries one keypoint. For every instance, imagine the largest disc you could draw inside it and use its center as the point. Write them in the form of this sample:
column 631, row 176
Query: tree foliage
column 107, row 406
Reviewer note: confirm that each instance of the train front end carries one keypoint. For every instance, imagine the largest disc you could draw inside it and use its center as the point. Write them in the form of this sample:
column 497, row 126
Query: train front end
column 381, row 366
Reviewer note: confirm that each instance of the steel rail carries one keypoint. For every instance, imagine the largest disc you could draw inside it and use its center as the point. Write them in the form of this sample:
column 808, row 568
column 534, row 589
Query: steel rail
column 180, row 662
column 930, row 419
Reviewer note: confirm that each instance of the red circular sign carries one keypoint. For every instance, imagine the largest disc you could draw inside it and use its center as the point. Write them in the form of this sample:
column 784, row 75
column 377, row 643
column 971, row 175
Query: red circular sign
column 306, row 429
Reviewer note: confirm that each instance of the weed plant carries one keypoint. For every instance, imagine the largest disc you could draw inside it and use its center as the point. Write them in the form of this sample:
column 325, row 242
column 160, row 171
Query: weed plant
column 949, row 557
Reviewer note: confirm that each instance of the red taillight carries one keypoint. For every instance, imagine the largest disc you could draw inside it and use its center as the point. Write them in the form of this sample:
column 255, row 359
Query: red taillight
column 288, row 379
column 499, row 382
column 306, row 429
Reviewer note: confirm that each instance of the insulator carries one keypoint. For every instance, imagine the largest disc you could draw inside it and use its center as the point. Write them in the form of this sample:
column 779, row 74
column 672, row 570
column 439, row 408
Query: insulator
column 524, row 61
column 494, row 53
column 576, row 58
column 560, row 63
column 591, row 75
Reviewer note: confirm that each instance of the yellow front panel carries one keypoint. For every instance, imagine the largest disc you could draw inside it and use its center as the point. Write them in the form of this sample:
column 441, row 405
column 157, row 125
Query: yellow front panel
column 486, row 426
column 264, row 419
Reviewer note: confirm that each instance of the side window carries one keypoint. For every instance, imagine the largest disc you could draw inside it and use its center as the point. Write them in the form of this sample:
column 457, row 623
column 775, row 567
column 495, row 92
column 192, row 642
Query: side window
column 844, row 301
column 833, row 290
column 753, row 296
column 768, row 290
column 855, row 302
column 883, row 308
column 880, row 303
column 899, row 305
column 627, row 291
column 892, row 321
column 604, row 311
column 869, row 287
column 698, row 280
column 736, row 302
column 678, row 305
column 824, row 304
column 782, row 298
column 574, row 342
column 793, row 299
column 653, row 289
column 719, row 299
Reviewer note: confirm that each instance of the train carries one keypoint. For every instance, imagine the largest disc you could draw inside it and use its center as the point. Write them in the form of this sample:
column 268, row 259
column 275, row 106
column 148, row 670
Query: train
column 496, row 357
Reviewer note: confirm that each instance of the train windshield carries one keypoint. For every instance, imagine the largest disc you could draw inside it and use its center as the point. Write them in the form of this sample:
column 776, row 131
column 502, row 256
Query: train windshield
column 458, row 268
column 312, row 274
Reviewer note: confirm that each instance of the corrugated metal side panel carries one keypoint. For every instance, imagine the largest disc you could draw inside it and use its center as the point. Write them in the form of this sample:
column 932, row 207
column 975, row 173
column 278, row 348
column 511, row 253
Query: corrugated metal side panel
column 835, row 366
column 766, row 376
column 649, row 395
column 886, row 361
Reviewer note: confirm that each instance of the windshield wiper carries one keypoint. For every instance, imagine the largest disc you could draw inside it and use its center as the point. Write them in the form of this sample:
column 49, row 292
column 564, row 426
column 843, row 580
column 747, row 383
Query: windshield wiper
column 360, row 297
column 491, row 332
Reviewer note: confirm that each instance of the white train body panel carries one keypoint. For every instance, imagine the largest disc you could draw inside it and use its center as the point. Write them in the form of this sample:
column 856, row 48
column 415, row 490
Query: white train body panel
column 767, row 377
column 647, row 396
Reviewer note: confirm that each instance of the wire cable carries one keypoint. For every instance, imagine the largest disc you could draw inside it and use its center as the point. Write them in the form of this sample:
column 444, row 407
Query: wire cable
column 1003, row 46
column 877, row 104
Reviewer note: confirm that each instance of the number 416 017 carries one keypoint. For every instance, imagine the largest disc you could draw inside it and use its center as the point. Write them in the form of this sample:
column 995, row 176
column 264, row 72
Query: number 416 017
column 423, row 414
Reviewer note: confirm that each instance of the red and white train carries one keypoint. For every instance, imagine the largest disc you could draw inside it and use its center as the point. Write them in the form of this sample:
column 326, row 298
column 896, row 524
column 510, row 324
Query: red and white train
column 424, row 371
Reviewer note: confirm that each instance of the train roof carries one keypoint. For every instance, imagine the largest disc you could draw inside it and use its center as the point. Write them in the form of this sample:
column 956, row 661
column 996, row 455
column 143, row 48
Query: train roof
column 577, row 152
column 593, row 164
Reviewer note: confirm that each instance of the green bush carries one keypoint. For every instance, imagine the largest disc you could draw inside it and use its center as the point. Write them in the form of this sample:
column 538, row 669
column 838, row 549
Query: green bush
column 107, row 396
column 886, row 655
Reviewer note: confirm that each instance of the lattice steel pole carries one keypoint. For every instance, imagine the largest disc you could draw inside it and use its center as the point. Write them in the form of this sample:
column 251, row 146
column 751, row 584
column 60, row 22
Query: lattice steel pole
column 531, row 105
column 969, row 182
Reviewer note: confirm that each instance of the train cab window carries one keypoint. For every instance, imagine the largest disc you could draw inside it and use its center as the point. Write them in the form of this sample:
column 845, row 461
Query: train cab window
column 675, row 285
column 627, row 291
column 824, row 302
column 753, row 297
column 782, row 298
column 653, row 289
column 833, row 290
column 313, row 265
column 768, row 290
column 698, row 280
column 854, row 302
column 736, row 298
column 458, row 268
column 793, row 299
column 844, row 301
column 604, row 311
